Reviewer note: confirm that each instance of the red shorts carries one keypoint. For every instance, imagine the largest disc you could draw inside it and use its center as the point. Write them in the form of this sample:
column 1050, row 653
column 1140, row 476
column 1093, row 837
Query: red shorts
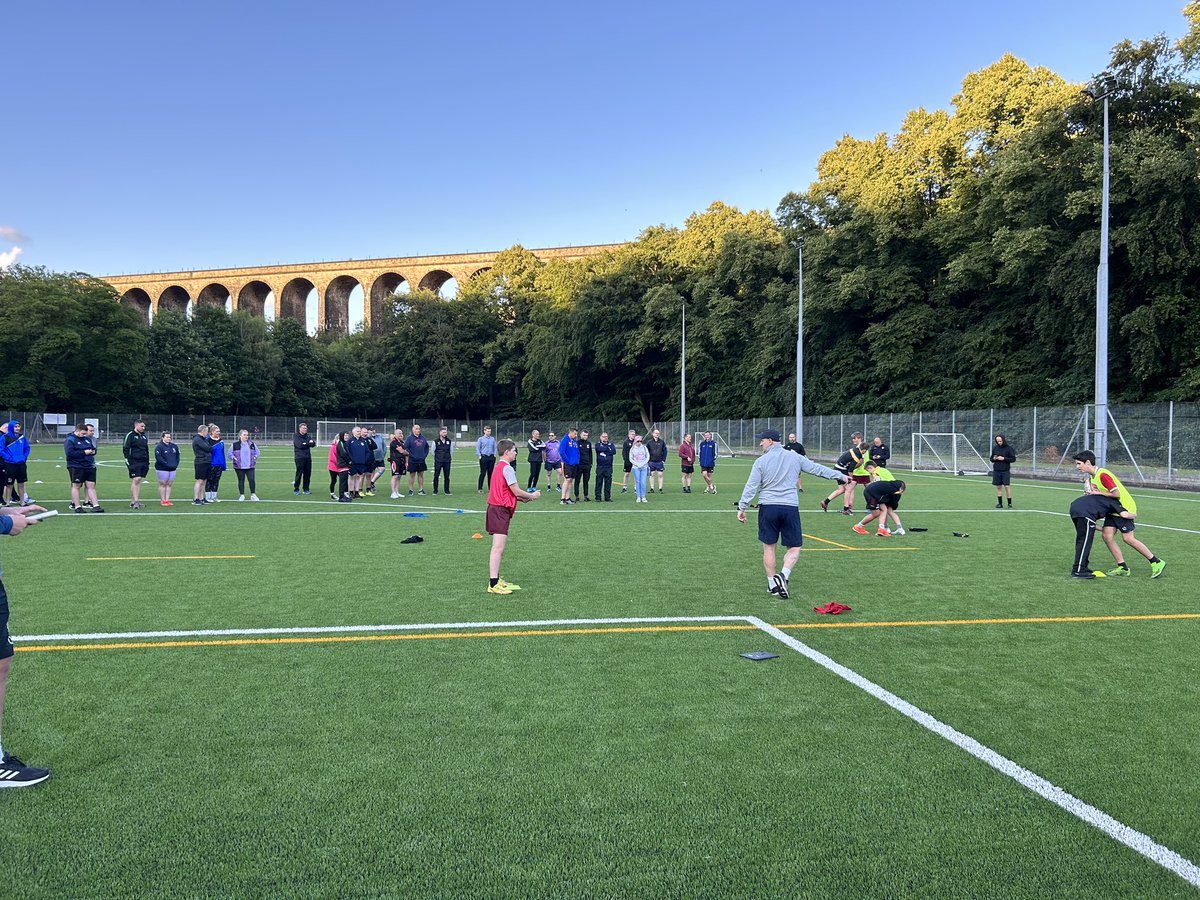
column 498, row 518
column 861, row 479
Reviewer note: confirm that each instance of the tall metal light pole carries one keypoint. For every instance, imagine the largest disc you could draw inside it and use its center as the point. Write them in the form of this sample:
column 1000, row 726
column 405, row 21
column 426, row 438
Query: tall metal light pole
column 683, row 370
column 800, row 345
column 1100, row 445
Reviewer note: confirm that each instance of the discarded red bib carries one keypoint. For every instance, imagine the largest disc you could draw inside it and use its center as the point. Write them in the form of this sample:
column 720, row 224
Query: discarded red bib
column 832, row 608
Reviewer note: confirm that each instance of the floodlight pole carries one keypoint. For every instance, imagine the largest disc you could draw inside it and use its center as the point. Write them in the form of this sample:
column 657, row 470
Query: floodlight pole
column 800, row 344
column 683, row 370
column 1101, row 419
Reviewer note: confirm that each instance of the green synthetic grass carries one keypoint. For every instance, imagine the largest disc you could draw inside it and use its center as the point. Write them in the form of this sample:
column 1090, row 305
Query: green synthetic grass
column 610, row 764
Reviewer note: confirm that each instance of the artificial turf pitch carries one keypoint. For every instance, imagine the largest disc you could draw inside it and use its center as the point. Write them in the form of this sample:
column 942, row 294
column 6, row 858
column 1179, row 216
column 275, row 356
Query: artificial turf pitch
column 594, row 761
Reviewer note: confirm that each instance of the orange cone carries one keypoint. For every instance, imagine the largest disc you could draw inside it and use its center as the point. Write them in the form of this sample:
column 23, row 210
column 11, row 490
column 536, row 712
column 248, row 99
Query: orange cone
column 477, row 536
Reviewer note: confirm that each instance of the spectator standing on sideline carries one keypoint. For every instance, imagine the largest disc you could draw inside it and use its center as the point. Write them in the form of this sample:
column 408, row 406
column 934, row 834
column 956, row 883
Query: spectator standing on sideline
column 553, row 463
column 606, row 453
column 202, row 463
column 13, row 772
column 302, row 444
column 639, row 458
column 626, row 449
column 537, row 450
column 687, row 462
column 878, row 452
column 503, row 494
column 417, row 448
column 443, row 450
column 361, row 460
column 584, row 476
column 796, row 447
column 217, row 463
column 136, row 450
column 568, row 451
column 166, row 462
column 485, row 451
column 244, row 454
column 657, row 448
column 81, row 466
column 378, row 454
column 398, row 459
column 1003, row 457
column 339, row 467
column 708, row 462
column 14, row 453
column 773, row 477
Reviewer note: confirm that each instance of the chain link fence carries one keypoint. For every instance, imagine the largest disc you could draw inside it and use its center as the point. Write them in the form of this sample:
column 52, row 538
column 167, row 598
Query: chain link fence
column 1150, row 443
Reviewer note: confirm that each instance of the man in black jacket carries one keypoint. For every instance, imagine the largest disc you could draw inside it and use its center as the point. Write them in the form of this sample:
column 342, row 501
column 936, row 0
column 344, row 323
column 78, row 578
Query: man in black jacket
column 1002, row 459
column 878, row 452
column 796, row 447
column 443, row 449
column 202, row 453
column 658, row 459
column 302, row 444
column 136, row 450
column 606, row 452
column 625, row 448
column 584, row 476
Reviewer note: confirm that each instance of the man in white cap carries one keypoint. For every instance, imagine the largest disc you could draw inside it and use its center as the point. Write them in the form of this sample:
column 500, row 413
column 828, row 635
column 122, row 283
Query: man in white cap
column 773, row 477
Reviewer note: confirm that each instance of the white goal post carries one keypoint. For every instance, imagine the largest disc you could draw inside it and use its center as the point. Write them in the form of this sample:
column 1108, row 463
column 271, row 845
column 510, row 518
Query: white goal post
column 723, row 448
column 327, row 428
column 946, row 452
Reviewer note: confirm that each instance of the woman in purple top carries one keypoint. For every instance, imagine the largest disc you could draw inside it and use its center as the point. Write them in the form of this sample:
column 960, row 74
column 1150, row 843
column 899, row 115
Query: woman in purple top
column 553, row 463
column 244, row 455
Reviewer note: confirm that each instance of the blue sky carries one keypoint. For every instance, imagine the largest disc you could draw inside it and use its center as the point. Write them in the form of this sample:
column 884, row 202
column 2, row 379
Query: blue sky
column 143, row 137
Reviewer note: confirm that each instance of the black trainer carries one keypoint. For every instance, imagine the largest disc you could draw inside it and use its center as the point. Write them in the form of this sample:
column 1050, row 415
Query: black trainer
column 14, row 773
column 781, row 584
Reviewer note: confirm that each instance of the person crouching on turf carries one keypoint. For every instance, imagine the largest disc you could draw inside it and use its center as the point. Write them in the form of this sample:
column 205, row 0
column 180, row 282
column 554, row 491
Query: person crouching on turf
column 1106, row 484
column 883, row 497
column 503, row 494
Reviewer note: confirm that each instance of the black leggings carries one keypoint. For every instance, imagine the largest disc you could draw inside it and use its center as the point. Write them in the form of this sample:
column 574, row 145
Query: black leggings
column 339, row 482
column 535, row 474
column 243, row 475
column 214, row 480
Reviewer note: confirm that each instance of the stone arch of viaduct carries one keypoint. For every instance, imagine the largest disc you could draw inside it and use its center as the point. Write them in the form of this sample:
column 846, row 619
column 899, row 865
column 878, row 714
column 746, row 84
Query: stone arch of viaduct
column 288, row 287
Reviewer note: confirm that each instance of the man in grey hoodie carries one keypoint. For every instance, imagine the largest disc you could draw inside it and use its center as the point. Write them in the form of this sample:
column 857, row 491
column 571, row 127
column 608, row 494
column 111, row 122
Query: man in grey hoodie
column 773, row 477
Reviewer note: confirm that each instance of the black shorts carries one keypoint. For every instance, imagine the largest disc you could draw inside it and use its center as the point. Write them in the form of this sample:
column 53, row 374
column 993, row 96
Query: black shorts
column 1125, row 526
column 16, row 472
column 203, row 470
column 1000, row 478
column 552, row 466
column 416, row 466
column 657, row 466
column 82, row 476
column 498, row 519
column 398, row 467
column 569, row 471
column 139, row 470
column 688, row 470
column 780, row 523
column 708, row 469
column 6, row 645
column 628, row 467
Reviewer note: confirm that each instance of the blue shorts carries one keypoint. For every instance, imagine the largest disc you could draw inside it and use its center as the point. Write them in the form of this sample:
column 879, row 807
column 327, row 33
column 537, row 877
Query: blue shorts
column 657, row 466
column 777, row 523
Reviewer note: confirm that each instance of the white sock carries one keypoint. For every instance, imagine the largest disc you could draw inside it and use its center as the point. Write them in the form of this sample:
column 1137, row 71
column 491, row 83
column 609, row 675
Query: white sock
column 898, row 525
column 786, row 571
column 770, row 582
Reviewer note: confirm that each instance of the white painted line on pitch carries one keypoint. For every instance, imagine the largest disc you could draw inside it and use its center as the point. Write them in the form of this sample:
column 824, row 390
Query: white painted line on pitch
column 1135, row 840
column 1047, row 512
column 354, row 629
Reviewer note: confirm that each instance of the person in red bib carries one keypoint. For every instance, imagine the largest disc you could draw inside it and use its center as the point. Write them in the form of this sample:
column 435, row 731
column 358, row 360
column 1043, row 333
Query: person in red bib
column 502, row 506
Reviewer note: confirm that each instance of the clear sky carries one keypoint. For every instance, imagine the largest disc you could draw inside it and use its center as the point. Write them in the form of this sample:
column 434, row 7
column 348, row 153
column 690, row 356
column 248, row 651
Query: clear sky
column 156, row 136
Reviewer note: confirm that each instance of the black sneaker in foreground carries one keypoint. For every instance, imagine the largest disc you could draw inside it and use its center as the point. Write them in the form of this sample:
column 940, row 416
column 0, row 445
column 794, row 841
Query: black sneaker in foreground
column 781, row 588
column 14, row 773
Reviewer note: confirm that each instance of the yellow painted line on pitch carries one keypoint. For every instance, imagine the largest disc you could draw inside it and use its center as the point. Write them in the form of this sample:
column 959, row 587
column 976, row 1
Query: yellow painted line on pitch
column 860, row 549
column 354, row 638
column 143, row 558
column 827, row 541
column 1032, row 620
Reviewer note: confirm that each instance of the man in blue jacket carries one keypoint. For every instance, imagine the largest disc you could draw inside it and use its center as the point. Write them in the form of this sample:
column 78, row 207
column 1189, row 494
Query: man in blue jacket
column 81, row 466
column 568, row 451
column 13, row 772
column 14, row 453
column 707, row 456
column 362, row 460
column 418, row 450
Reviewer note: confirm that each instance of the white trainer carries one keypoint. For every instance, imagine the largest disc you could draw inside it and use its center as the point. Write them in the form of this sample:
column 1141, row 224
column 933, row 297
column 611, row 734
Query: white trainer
column 241, row 497
column 395, row 496
column 254, row 498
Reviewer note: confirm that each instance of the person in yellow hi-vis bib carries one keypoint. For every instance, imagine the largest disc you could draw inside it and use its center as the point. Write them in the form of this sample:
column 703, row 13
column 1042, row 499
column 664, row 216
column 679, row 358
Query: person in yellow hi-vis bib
column 1103, row 482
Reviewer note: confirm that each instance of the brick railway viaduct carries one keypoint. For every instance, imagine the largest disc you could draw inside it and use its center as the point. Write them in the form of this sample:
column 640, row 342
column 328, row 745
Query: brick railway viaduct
column 287, row 288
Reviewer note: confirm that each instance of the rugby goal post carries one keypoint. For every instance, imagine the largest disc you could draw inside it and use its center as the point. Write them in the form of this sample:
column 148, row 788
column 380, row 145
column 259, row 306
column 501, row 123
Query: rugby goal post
column 946, row 452
column 327, row 428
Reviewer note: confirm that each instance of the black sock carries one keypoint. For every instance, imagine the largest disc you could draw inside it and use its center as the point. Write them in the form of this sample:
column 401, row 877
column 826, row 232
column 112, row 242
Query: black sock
column 492, row 582
column 1123, row 565
column 1155, row 559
